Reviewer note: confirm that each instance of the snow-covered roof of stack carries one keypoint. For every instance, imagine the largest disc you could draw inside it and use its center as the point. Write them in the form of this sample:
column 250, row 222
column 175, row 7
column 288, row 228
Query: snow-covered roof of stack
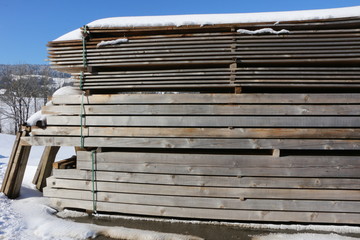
column 213, row 19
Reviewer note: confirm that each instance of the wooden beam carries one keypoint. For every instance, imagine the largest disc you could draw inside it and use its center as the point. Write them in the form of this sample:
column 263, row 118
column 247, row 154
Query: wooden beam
column 196, row 143
column 45, row 166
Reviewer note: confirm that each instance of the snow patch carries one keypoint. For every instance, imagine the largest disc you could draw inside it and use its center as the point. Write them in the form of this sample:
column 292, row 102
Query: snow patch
column 67, row 90
column 259, row 226
column 73, row 35
column 11, row 223
column 42, row 221
column 71, row 214
column 303, row 236
column 113, row 42
column 263, row 31
column 37, row 119
column 211, row 19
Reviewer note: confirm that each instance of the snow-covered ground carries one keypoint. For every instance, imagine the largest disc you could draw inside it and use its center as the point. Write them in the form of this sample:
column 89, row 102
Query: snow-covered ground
column 29, row 217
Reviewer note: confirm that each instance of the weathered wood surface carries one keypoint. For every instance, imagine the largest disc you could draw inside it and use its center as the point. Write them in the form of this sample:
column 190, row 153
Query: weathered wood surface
column 16, row 168
column 45, row 166
column 203, row 191
column 331, row 171
column 256, row 98
column 196, row 143
column 222, row 214
column 211, row 180
column 209, row 51
column 220, row 160
column 318, row 133
column 6, row 181
column 285, row 149
column 210, row 203
column 198, row 110
column 204, row 121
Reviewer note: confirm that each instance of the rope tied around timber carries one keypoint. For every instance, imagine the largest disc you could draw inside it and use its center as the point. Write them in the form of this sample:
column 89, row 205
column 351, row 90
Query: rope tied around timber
column 94, row 197
column 82, row 117
column 85, row 37
column 81, row 80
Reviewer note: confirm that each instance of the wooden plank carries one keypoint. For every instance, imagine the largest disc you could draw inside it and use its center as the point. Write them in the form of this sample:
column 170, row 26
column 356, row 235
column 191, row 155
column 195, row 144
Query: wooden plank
column 350, row 98
column 189, row 169
column 159, row 62
column 210, row 181
column 6, row 179
column 45, row 166
column 239, row 70
column 206, row 56
column 205, row 121
column 221, row 214
column 211, row 87
column 17, row 171
column 209, row 203
column 221, row 160
column 233, row 110
column 290, row 133
column 242, row 193
column 195, row 143
column 218, row 51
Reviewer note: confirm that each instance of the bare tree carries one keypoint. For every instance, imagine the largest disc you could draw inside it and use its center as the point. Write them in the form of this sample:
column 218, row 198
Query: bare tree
column 20, row 93
column 25, row 89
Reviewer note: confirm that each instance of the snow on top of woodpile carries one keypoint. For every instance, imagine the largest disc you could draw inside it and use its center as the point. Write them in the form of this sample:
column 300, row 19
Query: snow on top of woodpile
column 39, row 119
column 211, row 19
column 67, row 90
column 263, row 31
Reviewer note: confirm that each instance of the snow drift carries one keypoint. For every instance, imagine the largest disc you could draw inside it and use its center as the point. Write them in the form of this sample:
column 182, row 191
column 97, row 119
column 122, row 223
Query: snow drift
column 211, row 19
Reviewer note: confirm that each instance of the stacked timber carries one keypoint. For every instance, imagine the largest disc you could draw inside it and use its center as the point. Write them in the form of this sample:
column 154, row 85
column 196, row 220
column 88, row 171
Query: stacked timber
column 214, row 60
column 225, row 121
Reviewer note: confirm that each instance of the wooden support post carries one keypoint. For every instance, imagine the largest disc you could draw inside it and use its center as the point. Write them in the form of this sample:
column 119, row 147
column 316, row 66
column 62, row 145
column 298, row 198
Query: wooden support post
column 11, row 161
column 45, row 166
column 16, row 167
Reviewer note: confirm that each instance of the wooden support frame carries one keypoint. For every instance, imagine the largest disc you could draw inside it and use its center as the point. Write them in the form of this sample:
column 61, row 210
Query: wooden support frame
column 17, row 164
column 45, row 166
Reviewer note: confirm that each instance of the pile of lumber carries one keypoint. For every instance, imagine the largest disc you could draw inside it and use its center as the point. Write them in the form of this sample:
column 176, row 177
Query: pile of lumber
column 211, row 122
column 213, row 59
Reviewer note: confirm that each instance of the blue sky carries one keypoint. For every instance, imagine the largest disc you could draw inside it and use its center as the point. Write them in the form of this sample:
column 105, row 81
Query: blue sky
column 27, row 25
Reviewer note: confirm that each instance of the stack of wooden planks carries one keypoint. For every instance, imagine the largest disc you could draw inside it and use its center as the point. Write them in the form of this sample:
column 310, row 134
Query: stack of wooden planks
column 270, row 157
column 213, row 60
column 211, row 122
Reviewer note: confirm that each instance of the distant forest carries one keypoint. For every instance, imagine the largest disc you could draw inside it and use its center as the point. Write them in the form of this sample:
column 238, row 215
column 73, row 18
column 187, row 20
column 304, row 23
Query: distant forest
column 36, row 69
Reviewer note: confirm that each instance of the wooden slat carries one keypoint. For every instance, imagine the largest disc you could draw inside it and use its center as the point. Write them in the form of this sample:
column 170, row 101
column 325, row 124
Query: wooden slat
column 210, row 213
column 195, row 143
column 221, row 160
column 210, row 181
column 317, row 133
column 205, row 121
column 243, row 193
column 331, row 98
column 45, row 166
column 211, row 203
column 185, row 110
column 189, row 169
